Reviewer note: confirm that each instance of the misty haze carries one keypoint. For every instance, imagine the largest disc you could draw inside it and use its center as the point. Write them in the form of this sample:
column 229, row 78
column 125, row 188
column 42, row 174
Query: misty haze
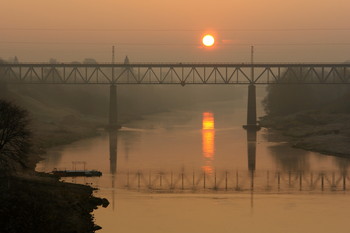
column 174, row 116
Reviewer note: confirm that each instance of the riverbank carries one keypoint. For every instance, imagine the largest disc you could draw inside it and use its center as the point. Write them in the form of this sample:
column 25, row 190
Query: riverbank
column 47, row 134
column 316, row 131
column 34, row 202
column 40, row 203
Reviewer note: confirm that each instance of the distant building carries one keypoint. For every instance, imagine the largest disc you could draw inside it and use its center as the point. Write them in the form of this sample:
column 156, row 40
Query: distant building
column 126, row 60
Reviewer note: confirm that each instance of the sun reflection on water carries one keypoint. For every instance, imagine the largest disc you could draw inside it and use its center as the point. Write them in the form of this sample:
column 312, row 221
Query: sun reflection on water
column 208, row 141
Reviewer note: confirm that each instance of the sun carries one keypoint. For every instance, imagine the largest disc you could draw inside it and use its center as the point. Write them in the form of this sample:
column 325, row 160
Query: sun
column 208, row 40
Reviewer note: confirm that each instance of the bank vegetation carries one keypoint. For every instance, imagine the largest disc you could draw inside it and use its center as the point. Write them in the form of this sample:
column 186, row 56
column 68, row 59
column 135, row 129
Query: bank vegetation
column 315, row 117
column 32, row 201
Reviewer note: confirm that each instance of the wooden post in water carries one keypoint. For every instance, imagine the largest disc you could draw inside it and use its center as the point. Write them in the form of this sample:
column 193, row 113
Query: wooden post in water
column 138, row 179
column 267, row 180
column 149, row 180
column 312, row 180
column 171, row 180
column 127, row 179
column 160, row 179
column 203, row 180
column 290, row 179
column 193, row 181
column 215, row 187
column 182, row 181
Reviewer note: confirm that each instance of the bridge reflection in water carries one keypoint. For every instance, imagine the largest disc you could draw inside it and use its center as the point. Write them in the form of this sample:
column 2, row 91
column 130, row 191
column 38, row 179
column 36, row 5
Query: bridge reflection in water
column 113, row 140
column 212, row 180
column 232, row 181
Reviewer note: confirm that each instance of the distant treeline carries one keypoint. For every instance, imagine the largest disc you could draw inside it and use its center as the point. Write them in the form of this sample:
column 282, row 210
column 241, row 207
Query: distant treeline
column 285, row 99
column 133, row 100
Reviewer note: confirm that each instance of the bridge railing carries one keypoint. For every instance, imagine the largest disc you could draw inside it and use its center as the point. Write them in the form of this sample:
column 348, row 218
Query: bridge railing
column 176, row 73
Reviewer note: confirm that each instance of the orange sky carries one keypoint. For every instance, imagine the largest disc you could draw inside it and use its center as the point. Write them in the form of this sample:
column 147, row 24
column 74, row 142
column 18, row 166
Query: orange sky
column 168, row 30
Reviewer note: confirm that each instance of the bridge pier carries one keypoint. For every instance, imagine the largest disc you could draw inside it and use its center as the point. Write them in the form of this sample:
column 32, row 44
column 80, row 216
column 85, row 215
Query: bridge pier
column 252, row 127
column 113, row 113
column 251, row 110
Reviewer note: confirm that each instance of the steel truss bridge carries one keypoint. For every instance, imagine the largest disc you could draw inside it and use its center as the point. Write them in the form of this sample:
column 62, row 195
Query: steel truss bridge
column 176, row 73
column 233, row 181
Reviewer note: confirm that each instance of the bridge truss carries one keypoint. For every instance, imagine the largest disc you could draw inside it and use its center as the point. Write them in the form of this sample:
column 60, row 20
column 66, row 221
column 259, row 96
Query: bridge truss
column 176, row 73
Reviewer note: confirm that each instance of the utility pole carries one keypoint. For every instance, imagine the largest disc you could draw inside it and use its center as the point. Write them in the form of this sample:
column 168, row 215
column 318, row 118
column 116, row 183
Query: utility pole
column 113, row 62
column 252, row 61
column 113, row 121
column 113, row 54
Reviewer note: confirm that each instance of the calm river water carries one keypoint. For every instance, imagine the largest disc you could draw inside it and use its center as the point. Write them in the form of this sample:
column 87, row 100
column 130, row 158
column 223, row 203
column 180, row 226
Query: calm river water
column 197, row 170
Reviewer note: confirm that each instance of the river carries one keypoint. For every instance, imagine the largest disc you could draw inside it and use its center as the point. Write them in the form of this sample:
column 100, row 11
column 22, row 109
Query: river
column 196, row 170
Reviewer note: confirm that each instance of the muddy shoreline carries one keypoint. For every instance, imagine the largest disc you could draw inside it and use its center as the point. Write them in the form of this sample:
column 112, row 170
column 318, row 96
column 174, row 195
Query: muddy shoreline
column 314, row 131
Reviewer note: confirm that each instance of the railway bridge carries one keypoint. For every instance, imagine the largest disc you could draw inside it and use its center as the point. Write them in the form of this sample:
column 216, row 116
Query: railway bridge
column 114, row 74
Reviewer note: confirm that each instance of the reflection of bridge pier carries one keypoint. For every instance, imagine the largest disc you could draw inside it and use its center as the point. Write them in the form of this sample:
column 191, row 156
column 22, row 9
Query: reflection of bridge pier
column 113, row 113
column 113, row 151
column 113, row 158
column 251, row 150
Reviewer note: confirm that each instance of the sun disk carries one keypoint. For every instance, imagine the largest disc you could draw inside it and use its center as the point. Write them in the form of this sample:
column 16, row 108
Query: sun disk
column 208, row 40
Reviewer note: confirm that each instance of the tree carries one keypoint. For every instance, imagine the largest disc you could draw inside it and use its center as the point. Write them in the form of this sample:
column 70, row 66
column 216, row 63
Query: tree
column 290, row 96
column 287, row 99
column 89, row 61
column 15, row 137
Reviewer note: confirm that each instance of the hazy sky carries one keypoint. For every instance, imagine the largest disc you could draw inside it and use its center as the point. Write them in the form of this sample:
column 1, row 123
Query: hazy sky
column 169, row 30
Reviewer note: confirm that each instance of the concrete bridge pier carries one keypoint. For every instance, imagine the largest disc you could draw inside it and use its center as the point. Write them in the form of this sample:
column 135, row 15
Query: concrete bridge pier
column 113, row 113
column 251, row 110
